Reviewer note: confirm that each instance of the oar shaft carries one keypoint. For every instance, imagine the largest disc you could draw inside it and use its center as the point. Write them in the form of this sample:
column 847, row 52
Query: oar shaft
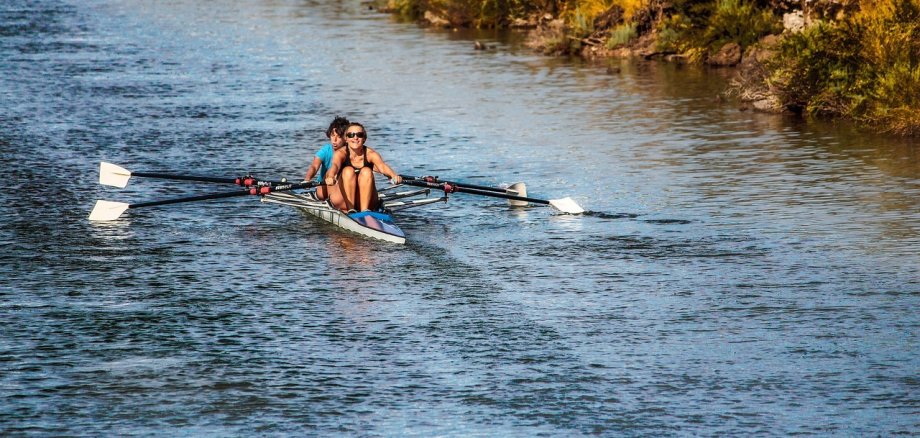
column 185, row 177
column 191, row 199
column 245, row 181
column 263, row 190
column 464, row 189
column 447, row 187
column 453, row 183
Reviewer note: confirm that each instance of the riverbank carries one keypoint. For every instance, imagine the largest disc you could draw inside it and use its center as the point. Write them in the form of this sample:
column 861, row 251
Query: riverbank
column 833, row 58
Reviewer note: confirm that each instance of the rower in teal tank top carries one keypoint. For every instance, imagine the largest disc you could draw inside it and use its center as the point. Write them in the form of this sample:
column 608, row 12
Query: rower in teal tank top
column 325, row 155
column 322, row 159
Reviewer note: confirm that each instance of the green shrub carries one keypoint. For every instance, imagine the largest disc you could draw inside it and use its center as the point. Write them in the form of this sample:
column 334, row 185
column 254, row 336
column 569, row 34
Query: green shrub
column 622, row 34
column 581, row 23
column 865, row 67
column 675, row 34
column 740, row 22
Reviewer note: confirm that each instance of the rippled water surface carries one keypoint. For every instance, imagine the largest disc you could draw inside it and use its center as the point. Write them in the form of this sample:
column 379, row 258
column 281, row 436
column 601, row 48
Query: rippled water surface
column 736, row 273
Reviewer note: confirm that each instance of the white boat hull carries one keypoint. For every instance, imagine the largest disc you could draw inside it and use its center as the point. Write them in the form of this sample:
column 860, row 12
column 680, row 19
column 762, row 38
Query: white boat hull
column 370, row 224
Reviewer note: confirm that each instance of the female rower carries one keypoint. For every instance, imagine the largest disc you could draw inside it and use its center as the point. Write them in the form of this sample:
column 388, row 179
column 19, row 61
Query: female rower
column 352, row 170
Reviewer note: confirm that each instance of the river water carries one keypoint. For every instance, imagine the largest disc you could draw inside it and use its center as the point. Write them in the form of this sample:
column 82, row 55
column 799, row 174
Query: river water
column 736, row 273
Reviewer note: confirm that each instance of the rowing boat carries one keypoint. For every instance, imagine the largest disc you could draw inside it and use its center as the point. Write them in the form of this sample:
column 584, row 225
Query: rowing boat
column 374, row 224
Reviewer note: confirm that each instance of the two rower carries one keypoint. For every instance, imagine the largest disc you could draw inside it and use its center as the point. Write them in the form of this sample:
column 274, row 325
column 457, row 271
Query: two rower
column 349, row 181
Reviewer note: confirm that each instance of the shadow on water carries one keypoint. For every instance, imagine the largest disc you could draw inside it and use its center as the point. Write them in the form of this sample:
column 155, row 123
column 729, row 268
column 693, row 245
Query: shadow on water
column 614, row 216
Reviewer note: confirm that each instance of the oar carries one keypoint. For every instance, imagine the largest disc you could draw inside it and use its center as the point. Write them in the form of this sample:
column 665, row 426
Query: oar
column 114, row 175
column 108, row 210
column 565, row 205
column 516, row 189
column 435, row 179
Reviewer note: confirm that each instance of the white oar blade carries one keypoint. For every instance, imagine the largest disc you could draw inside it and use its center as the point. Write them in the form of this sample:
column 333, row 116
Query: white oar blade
column 113, row 175
column 517, row 189
column 566, row 205
column 107, row 210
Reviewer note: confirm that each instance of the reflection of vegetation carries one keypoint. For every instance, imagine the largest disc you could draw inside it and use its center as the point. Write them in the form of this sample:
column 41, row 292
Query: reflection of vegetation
column 856, row 59
column 866, row 66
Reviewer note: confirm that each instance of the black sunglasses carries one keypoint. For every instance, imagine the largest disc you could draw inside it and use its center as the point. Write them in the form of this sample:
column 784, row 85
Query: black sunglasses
column 355, row 134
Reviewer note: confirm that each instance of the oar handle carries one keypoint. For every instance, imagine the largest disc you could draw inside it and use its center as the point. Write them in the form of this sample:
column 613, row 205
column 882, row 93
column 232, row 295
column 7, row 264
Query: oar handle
column 451, row 188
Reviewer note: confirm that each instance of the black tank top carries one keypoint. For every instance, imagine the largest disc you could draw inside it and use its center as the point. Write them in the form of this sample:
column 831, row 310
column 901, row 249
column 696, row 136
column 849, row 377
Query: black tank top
column 363, row 165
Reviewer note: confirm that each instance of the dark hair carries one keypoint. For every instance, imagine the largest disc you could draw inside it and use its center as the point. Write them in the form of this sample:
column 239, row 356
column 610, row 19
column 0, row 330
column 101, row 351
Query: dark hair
column 339, row 125
column 356, row 124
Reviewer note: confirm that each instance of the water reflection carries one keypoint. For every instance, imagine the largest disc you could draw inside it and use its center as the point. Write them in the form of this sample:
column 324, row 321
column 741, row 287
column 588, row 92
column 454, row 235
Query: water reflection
column 567, row 223
column 117, row 230
column 348, row 252
column 520, row 213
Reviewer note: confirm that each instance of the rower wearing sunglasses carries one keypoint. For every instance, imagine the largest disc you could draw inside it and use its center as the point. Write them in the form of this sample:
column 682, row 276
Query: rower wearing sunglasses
column 352, row 172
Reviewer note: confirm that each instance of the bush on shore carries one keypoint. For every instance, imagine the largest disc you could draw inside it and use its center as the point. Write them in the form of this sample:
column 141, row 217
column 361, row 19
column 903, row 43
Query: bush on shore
column 865, row 67
column 701, row 29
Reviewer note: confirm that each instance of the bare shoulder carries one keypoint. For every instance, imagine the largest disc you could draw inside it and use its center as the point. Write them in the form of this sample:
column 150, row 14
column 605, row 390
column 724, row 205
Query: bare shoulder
column 372, row 155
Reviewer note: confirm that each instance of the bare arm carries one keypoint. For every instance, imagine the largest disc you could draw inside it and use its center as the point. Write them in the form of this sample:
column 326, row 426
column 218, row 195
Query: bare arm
column 332, row 175
column 382, row 167
column 314, row 167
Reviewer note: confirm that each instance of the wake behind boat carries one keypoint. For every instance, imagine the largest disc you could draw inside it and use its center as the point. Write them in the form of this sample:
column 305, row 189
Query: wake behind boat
column 373, row 224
